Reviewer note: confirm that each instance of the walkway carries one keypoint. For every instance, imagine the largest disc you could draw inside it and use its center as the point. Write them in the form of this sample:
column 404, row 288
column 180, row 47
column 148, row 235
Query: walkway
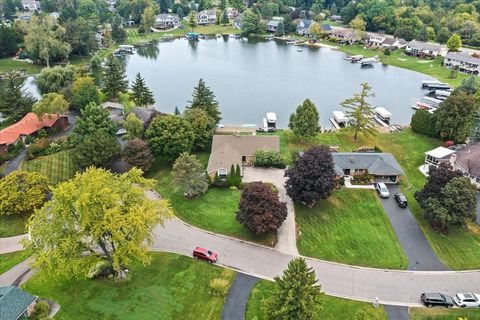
column 287, row 240
column 14, row 163
column 349, row 185
column 412, row 239
column 11, row 244
column 236, row 303
column 396, row 312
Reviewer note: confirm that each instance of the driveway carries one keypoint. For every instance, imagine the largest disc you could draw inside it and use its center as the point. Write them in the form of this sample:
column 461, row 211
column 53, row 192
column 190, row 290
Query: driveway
column 417, row 248
column 237, row 299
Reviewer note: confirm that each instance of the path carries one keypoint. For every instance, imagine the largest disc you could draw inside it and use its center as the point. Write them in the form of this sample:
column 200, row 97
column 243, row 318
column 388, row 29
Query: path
column 11, row 244
column 412, row 239
column 287, row 240
column 14, row 163
column 236, row 303
column 396, row 312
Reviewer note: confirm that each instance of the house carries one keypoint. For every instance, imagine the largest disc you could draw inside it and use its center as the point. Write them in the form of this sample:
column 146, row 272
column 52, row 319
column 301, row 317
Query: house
column 424, row 49
column 326, row 28
column 29, row 126
column 436, row 156
column 30, row 5
column 393, row 43
column 167, row 21
column 145, row 114
column 467, row 160
column 114, row 108
column 228, row 150
column 335, row 18
column 375, row 39
column 463, row 61
column 344, row 35
column 15, row 303
column 232, row 13
column 207, row 17
column 272, row 25
column 55, row 15
column 303, row 27
column 382, row 166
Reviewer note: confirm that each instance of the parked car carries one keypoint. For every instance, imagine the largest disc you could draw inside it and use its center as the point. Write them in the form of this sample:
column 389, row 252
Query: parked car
column 437, row 299
column 205, row 254
column 401, row 200
column 467, row 300
column 382, row 190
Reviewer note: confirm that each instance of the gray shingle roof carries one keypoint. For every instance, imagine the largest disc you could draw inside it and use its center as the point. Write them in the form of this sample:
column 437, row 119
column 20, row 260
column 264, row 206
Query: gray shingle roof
column 424, row 46
column 13, row 302
column 462, row 57
column 145, row 114
column 273, row 23
column 374, row 163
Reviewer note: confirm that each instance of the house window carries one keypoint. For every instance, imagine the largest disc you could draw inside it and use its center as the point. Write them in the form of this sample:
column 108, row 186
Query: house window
column 222, row 173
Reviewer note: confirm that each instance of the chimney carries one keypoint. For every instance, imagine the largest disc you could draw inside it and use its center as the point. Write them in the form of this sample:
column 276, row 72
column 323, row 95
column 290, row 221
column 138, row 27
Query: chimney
column 453, row 159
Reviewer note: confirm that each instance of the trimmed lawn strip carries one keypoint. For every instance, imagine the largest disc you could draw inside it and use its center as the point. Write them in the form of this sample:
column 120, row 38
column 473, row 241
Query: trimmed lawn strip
column 443, row 314
column 7, row 64
column 350, row 227
column 9, row 260
column 171, row 287
column 214, row 211
column 58, row 167
column 12, row 225
column 333, row 308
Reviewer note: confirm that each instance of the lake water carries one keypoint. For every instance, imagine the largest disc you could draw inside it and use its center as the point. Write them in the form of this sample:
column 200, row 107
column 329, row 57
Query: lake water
column 250, row 78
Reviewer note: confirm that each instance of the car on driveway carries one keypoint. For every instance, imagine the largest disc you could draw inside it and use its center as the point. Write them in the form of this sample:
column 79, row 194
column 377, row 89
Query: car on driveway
column 205, row 254
column 467, row 300
column 382, row 190
column 437, row 299
column 401, row 200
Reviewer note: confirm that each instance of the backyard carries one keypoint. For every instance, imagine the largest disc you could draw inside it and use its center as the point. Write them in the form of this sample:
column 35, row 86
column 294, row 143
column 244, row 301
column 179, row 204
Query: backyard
column 171, row 287
column 57, row 167
column 12, row 225
column 349, row 227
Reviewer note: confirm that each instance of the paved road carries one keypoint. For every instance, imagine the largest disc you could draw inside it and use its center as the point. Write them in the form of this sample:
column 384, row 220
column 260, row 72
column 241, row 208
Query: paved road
column 14, row 163
column 237, row 299
column 417, row 248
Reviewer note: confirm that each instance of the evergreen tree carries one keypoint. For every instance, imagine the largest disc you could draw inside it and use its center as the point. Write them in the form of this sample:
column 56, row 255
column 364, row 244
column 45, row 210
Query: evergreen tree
column 238, row 174
column 280, row 29
column 93, row 118
column 204, row 98
column 119, row 35
column 224, row 20
column 223, row 5
column 141, row 94
column 15, row 102
column 296, row 295
column 231, row 176
column 114, row 78
column 176, row 112
column 304, row 121
column 361, row 114
column 189, row 175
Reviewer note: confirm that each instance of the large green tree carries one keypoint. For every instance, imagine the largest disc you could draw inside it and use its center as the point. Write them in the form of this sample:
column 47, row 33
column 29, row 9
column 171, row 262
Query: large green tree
column 9, row 40
column 203, row 126
column 189, row 175
column 423, row 122
column 92, row 119
column 360, row 113
column 140, row 93
column 119, row 35
column 304, row 121
column 51, row 103
column 80, row 34
column 133, row 125
column 105, row 215
column 99, row 149
column 55, row 79
column 204, row 98
column 15, row 101
column 454, row 43
column 148, row 19
column 114, row 78
column 137, row 154
column 250, row 22
column 84, row 91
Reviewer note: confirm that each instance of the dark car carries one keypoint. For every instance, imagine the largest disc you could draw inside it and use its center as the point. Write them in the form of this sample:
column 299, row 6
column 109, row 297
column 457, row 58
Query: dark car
column 437, row 299
column 401, row 200
column 204, row 254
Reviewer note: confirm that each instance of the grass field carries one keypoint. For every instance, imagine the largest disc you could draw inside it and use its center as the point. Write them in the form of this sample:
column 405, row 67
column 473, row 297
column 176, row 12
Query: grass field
column 214, row 211
column 443, row 314
column 8, row 260
column 350, row 227
column 7, row 64
column 171, row 287
column 57, row 167
column 12, row 225
column 333, row 308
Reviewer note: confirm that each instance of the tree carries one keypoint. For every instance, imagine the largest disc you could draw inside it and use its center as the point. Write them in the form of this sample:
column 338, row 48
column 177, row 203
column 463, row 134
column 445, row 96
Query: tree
column 423, row 122
column 443, row 35
column 169, row 136
column 21, row 192
column 189, row 175
column 316, row 30
column 469, row 86
column 297, row 294
column 224, row 20
column 15, row 101
column 260, row 210
column 304, row 121
column 454, row 43
column 250, row 22
column 99, row 149
column 358, row 24
column 148, row 19
column 51, row 103
column 192, row 21
column 96, row 210
column 312, row 176
column 204, row 98
column 141, row 94
column 133, row 125
column 114, row 78
column 8, row 41
column 455, row 117
column 280, row 29
column 84, row 91
column 119, row 35
column 80, row 34
column 92, row 119
column 43, row 40
column 454, row 206
column 55, row 79
column 362, row 113
column 137, row 154
column 202, row 125
column 222, row 5
column 164, row 6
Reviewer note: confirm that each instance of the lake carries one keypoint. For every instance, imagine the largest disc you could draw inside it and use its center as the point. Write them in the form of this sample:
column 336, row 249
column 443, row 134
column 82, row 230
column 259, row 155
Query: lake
column 250, row 78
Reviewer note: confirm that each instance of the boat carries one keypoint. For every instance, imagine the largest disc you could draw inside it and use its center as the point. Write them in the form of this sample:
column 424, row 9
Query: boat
column 426, row 103
column 355, row 58
column 425, row 83
column 271, row 120
column 292, row 42
column 437, row 86
column 270, row 37
column 340, row 118
column 192, row 36
column 299, row 50
column 366, row 64
column 234, row 36
column 126, row 48
column 383, row 114
column 442, row 94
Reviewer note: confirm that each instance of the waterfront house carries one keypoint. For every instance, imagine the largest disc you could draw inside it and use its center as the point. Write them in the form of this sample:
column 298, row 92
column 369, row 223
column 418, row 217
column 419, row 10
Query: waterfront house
column 16, row 303
column 167, row 21
column 272, row 25
column 393, row 43
column 29, row 126
column 326, row 28
column 207, row 17
column 303, row 27
column 425, row 49
column 463, row 61
column 344, row 35
column 436, row 156
column 375, row 39
column 228, row 150
column 232, row 13
column 30, row 5
column 383, row 167
column 335, row 18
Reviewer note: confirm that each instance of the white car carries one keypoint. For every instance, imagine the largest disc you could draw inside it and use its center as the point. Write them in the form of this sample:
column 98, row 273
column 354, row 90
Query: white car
column 382, row 190
column 467, row 300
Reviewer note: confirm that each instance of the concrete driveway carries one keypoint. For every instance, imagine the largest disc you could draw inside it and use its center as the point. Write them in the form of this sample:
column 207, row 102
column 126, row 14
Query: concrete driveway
column 417, row 248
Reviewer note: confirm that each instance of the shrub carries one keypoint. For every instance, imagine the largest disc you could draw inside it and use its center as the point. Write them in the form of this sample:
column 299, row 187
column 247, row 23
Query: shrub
column 219, row 287
column 267, row 158
column 37, row 149
column 41, row 310
column 101, row 270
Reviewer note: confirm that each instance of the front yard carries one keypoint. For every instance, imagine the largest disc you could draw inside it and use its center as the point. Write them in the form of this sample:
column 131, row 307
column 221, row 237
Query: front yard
column 350, row 227
column 9, row 260
column 171, row 287
column 442, row 314
column 57, row 167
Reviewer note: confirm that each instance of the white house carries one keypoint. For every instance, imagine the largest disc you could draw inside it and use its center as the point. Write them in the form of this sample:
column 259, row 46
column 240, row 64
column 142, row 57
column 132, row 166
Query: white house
column 167, row 21
column 232, row 13
column 375, row 39
column 463, row 61
column 207, row 17
column 30, row 5
column 393, row 43
column 425, row 49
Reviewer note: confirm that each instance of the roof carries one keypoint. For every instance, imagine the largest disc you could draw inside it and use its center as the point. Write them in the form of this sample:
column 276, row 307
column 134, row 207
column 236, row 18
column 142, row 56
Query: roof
column 326, row 27
column 383, row 112
column 210, row 12
column 144, row 113
column 462, row 57
column 28, row 125
column 228, row 150
column 374, row 163
column 273, row 23
column 424, row 46
column 166, row 17
column 389, row 41
column 112, row 105
column 469, row 158
column 13, row 302
column 439, row 152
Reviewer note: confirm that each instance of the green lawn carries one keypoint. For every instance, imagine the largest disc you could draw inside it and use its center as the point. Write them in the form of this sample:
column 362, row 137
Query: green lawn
column 443, row 314
column 7, row 64
column 9, row 260
column 57, row 167
column 350, row 227
column 171, row 287
column 12, row 225
column 333, row 308
column 214, row 211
